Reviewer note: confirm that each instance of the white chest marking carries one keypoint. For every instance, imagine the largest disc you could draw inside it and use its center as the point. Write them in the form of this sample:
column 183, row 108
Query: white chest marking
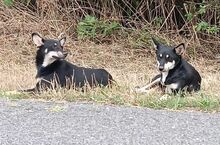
column 164, row 76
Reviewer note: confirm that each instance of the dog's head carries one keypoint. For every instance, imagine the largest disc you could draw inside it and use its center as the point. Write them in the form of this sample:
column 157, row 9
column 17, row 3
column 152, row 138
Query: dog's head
column 168, row 57
column 49, row 50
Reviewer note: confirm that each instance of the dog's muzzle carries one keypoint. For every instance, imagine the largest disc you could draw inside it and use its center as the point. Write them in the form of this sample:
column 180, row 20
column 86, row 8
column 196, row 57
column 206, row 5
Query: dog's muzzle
column 61, row 55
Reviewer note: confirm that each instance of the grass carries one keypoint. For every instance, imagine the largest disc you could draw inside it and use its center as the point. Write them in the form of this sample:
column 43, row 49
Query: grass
column 131, row 62
column 200, row 101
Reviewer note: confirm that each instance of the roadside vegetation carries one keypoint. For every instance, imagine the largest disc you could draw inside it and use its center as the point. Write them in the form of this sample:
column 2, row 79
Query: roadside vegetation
column 115, row 35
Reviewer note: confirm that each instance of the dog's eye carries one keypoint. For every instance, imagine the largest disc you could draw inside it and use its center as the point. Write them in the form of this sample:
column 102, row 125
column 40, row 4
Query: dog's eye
column 167, row 56
column 55, row 45
column 161, row 55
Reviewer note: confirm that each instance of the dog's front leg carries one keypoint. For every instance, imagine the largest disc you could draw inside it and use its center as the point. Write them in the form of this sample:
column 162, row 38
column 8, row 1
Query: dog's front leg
column 147, row 87
column 171, row 87
column 168, row 90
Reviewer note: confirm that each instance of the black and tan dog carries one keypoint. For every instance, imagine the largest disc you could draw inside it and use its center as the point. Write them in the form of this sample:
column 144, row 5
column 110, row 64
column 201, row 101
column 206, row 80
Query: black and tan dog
column 54, row 71
column 176, row 74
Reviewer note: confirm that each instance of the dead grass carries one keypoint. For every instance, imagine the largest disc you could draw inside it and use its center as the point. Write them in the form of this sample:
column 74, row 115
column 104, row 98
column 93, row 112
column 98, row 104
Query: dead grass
column 130, row 67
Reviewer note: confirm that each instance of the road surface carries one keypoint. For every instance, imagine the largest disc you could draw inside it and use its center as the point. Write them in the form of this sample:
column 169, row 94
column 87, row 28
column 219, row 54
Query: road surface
column 31, row 122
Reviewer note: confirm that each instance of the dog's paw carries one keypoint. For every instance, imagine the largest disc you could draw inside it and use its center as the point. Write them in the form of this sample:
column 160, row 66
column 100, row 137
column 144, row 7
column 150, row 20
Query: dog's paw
column 164, row 97
column 138, row 89
column 134, row 90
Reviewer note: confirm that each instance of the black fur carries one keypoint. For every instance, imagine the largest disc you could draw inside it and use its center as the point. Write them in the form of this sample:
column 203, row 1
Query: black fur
column 61, row 73
column 183, row 73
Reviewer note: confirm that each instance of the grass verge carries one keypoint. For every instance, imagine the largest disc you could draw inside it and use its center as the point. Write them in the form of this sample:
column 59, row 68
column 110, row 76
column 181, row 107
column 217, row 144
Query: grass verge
column 200, row 101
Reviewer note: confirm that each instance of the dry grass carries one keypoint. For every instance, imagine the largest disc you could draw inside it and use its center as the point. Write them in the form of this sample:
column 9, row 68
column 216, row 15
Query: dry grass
column 130, row 67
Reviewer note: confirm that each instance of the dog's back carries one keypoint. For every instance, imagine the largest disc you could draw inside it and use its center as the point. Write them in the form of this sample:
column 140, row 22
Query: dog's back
column 192, row 76
column 68, row 75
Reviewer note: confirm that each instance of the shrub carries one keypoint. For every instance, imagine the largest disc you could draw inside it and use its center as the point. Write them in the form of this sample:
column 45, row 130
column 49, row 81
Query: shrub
column 92, row 28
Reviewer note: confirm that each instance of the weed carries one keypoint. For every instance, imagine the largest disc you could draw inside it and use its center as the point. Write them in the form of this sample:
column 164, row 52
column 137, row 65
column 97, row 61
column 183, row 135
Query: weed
column 139, row 38
column 201, row 25
column 13, row 95
column 92, row 28
column 8, row 2
column 158, row 21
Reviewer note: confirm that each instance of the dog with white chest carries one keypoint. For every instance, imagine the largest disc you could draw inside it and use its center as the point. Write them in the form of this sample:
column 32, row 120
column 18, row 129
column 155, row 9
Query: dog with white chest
column 176, row 74
column 54, row 71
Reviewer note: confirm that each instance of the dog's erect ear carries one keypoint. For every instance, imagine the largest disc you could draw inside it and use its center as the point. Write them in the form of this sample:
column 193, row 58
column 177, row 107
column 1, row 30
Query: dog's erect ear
column 155, row 43
column 62, row 41
column 38, row 40
column 179, row 49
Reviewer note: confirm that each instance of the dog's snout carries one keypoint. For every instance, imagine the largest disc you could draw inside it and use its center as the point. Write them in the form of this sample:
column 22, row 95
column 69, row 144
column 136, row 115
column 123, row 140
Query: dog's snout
column 161, row 68
column 60, row 54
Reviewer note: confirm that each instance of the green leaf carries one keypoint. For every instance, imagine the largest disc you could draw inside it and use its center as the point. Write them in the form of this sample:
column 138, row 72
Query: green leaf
column 212, row 29
column 91, row 27
column 202, row 26
column 8, row 2
column 202, row 9
column 189, row 16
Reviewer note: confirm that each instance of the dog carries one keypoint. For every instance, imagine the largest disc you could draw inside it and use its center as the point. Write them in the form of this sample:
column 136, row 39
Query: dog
column 176, row 74
column 54, row 71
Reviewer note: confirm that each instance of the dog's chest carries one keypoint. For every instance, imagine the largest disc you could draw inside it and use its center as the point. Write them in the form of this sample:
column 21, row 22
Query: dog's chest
column 169, row 87
column 163, row 77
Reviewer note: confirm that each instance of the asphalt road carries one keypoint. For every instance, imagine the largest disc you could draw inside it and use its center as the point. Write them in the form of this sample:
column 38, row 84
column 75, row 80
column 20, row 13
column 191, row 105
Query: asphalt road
column 27, row 122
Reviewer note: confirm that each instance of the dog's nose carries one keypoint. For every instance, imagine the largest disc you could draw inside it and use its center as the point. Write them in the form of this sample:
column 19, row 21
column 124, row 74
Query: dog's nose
column 161, row 68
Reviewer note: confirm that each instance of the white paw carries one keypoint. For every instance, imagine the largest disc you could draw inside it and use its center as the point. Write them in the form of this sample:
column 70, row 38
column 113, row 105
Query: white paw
column 164, row 97
column 140, row 90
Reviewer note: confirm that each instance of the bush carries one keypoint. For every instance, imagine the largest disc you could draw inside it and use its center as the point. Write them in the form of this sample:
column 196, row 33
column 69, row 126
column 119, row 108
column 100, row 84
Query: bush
column 92, row 28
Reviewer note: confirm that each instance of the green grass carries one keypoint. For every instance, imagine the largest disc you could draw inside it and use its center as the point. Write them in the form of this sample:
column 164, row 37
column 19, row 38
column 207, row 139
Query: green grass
column 118, row 96
column 13, row 95
column 197, row 101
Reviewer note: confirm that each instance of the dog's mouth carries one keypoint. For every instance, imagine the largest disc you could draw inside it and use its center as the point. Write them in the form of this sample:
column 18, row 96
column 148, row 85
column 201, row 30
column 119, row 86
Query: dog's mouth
column 162, row 71
column 56, row 57
column 61, row 55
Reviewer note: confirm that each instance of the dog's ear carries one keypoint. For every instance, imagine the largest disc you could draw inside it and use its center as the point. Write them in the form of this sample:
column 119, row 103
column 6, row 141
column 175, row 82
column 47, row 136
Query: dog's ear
column 155, row 43
column 180, row 49
column 62, row 41
column 38, row 40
